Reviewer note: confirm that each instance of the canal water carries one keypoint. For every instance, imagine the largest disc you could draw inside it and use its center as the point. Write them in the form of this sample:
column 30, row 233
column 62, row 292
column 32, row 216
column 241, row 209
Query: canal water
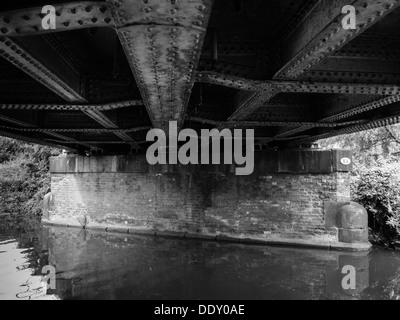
column 99, row 265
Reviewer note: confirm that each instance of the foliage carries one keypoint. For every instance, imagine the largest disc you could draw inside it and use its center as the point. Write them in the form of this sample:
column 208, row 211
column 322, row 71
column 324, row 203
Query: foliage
column 375, row 181
column 372, row 148
column 24, row 176
column 377, row 189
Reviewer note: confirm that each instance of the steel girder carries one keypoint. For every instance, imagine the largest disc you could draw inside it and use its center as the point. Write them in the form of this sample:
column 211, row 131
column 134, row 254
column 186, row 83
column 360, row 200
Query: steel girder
column 27, row 127
column 69, row 16
column 99, row 117
column 257, row 124
column 375, row 124
column 351, row 111
column 67, row 87
column 315, row 34
column 56, row 144
column 162, row 41
column 285, row 86
column 61, row 78
column 320, row 34
column 71, row 107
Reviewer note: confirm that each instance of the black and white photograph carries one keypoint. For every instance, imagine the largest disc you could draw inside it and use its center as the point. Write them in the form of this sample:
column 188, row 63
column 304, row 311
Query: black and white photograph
column 194, row 156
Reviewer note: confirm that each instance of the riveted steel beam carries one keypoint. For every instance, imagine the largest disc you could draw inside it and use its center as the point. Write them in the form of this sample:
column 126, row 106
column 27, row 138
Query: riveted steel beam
column 371, row 47
column 27, row 126
column 320, row 33
column 55, row 144
column 264, row 87
column 162, row 41
column 351, row 77
column 358, row 64
column 338, row 88
column 69, row 16
column 112, row 142
column 63, row 80
column 249, row 102
column 229, row 81
column 59, row 77
column 257, row 94
column 376, row 124
column 364, row 107
column 254, row 95
column 388, row 121
column 291, row 132
column 352, row 111
column 233, row 48
column 99, row 117
column 257, row 124
column 72, row 107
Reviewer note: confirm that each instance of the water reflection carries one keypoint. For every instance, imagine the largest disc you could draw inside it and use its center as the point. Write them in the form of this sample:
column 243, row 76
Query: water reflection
column 92, row 265
column 20, row 278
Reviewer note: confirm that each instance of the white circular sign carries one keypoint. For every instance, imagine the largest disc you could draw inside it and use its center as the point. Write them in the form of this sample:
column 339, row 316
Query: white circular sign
column 345, row 161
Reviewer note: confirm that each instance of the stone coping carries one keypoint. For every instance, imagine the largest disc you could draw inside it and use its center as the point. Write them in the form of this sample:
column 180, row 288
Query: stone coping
column 297, row 161
column 337, row 246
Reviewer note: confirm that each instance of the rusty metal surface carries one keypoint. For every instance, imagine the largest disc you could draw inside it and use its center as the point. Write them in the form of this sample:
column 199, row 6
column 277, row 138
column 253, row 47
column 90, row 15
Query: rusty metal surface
column 163, row 46
column 27, row 127
column 30, row 128
column 264, row 91
column 23, row 60
column 297, row 86
column 321, row 33
column 256, row 124
column 69, row 16
column 291, row 76
column 351, row 111
column 71, row 107
column 375, row 124
column 355, row 110
column 252, row 102
column 99, row 117
column 55, row 143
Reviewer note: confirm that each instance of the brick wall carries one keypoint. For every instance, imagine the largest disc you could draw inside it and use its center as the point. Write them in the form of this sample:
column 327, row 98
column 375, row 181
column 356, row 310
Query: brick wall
column 272, row 203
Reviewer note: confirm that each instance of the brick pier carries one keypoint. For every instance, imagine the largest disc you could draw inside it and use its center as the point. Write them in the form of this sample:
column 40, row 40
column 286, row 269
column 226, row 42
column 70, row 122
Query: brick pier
column 293, row 197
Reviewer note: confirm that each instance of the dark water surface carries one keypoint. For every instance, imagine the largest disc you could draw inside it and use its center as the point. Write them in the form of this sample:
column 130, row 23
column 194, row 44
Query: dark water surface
column 93, row 265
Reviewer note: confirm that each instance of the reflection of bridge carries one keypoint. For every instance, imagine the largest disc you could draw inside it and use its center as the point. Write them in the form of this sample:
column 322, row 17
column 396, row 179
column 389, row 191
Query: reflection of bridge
column 154, row 267
column 286, row 68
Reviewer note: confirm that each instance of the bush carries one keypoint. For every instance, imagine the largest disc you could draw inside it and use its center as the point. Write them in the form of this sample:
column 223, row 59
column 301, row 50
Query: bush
column 24, row 176
column 378, row 190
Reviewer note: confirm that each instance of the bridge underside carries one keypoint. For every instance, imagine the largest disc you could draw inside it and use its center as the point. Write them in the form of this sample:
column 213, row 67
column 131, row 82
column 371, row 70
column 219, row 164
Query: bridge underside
column 111, row 70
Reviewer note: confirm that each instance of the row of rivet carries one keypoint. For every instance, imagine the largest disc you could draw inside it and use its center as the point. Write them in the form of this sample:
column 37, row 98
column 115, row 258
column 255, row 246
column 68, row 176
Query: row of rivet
column 36, row 70
column 199, row 19
column 355, row 110
column 294, row 71
column 37, row 27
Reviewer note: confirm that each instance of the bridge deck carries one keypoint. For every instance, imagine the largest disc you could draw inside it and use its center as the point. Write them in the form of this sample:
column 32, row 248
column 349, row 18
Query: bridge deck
column 111, row 70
